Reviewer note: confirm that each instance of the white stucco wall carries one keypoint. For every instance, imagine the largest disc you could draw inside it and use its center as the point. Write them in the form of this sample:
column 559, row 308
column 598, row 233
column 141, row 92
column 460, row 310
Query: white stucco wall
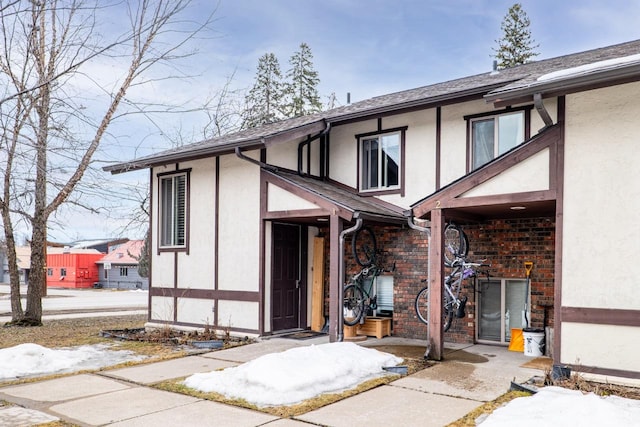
column 282, row 200
column 198, row 311
column 238, row 314
column 285, row 155
column 601, row 233
column 343, row 153
column 162, row 308
column 239, row 225
column 530, row 175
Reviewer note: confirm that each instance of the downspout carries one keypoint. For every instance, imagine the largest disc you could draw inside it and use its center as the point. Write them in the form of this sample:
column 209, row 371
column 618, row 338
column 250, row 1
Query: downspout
column 356, row 227
column 427, row 230
column 254, row 161
column 308, row 141
column 542, row 111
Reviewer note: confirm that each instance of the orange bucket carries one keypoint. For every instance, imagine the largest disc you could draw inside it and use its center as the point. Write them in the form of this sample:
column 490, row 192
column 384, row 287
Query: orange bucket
column 517, row 340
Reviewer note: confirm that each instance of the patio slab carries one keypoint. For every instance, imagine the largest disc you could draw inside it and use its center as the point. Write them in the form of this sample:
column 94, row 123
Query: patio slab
column 169, row 369
column 65, row 388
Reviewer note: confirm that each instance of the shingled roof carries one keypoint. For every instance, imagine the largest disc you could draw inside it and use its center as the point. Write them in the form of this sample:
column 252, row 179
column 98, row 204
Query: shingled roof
column 516, row 84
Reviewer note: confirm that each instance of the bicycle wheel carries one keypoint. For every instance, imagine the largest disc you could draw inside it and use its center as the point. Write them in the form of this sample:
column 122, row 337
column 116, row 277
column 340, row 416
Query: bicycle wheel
column 422, row 305
column 363, row 245
column 456, row 244
column 422, row 308
column 447, row 313
column 353, row 305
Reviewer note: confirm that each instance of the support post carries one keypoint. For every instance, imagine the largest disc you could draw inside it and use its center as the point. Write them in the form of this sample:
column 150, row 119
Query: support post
column 436, row 280
column 335, row 281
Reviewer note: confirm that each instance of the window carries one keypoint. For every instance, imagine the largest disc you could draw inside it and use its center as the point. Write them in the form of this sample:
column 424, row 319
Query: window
column 495, row 135
column 501, row 305
column 124, row 271
column 63, row 272
column 173, row 210
column 380, row 160
column 49, row 272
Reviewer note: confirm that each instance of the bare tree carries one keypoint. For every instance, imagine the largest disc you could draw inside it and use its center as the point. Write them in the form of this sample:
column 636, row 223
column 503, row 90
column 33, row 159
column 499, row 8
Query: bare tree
column 50, row 59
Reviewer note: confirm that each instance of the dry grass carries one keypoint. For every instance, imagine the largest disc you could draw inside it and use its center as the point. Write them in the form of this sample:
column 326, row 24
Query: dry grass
column 469, row 420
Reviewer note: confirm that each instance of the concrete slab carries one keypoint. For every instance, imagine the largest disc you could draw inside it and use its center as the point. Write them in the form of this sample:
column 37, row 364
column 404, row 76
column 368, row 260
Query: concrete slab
column 17, row 416
column 120, row 405
column 66, row 388
column 391, row 406
column 169, row 369
column 478, row 372
column 287, row 422
column 201, row 414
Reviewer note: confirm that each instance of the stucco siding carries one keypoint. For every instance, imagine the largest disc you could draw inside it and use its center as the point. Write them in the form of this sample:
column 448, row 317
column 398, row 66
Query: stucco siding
column 196, row 269
column 238, row 314
column 530, row 175
column 343, row 153
column 239, row 225
column 595, row 345
column 162, row 308
column 602, row 187
column 281, row 200
column 198, row 311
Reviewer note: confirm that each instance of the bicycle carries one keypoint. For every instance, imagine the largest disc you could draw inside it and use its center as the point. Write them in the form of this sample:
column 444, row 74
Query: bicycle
column 456, row 248
column 358, row 297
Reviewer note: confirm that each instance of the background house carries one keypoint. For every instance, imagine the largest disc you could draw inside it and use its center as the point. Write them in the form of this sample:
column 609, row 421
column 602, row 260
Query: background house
column 72, row 268
column 119, row 268
column 24, row 264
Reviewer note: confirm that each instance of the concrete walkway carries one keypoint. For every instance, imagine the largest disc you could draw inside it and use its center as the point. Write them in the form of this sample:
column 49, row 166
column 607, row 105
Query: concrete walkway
column 468, row 377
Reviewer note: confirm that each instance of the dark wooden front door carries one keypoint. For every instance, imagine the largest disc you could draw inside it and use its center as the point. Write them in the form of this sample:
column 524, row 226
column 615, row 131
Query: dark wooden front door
column 285, row 305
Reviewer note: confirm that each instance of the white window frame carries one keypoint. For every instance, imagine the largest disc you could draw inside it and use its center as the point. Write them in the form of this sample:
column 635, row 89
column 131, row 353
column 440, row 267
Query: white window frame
column 497, row 148
column 173, row 231
column 382, row 162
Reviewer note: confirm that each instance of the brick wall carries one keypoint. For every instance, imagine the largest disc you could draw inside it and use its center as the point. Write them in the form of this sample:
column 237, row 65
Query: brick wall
column 505, row 244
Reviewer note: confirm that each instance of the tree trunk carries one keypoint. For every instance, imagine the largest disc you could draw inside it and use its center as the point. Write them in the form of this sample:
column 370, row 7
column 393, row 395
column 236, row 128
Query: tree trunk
column 37, row 276
column 17, row 314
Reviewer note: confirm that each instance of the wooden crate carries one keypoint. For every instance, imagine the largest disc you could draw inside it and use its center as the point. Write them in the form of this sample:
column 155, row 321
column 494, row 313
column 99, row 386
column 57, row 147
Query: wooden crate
column 376, row 327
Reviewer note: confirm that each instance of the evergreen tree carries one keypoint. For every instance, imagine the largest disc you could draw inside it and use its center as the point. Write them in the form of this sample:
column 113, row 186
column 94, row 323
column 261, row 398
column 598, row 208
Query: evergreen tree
column 302, row 86
column 516, row 46
column 265, row 99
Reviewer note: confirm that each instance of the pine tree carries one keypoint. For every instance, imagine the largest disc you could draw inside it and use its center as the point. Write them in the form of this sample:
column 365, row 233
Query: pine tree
column 516, row 46
column 265, row 99
column 302, row 86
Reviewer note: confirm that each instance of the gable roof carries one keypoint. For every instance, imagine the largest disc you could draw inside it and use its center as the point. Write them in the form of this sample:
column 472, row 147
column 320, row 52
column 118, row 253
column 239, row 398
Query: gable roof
column 508, row 86
column 126, row 253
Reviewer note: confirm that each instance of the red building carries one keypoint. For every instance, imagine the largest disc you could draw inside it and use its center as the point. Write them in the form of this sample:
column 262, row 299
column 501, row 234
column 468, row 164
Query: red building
column 72, row 268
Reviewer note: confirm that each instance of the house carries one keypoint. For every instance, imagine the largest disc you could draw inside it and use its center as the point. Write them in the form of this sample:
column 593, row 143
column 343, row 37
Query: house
column 119, row 268
column 23, row 253
column 537, row 163
column 72, row 268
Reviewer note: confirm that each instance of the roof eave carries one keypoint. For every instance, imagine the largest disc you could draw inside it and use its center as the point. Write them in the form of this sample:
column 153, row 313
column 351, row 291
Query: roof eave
column 563, row 86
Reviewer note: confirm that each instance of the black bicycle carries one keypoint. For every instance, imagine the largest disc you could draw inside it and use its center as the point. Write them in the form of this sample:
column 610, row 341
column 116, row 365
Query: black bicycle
column 358, row 294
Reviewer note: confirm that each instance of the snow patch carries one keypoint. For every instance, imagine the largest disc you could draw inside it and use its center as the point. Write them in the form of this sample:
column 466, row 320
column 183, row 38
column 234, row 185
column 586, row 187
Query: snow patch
column 587, row 68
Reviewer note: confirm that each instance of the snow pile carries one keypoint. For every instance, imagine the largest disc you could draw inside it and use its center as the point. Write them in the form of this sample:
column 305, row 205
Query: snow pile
column 26, row 360
column 592, row 67
column 297, row 374
column 556, row 406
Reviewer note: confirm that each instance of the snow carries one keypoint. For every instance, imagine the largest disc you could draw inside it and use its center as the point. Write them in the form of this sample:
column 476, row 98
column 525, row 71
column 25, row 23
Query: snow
column 28, row 360
column 297, row 374
column 556, row 406
column 594, row 66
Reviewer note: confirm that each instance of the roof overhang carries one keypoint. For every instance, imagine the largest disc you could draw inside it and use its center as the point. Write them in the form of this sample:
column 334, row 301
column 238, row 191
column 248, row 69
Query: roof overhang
column 566, row 85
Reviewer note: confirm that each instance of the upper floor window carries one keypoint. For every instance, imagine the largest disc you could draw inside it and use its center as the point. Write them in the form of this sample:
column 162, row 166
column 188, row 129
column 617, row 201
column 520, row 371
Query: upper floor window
column 492, row 136
column 173, row 211
column 381, row 160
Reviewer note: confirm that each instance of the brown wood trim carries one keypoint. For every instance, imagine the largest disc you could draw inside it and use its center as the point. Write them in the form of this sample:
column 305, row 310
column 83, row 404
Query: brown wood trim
column 435, row 327
column 499, row 199
column 150, row 243
column 262, row 243
column 293, row 134
column 307, row 195
column 403, row 163
column 381, row 131
column 208, row 294
column 559, row 181
column 601, row 316
column 298, row 213
column 605, row 371
column 483, row 174
column 175, row 286
column 187, row 225
column 438, row 145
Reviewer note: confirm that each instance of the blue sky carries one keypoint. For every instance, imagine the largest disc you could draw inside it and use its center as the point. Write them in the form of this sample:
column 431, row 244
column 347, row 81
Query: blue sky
column 365, row 47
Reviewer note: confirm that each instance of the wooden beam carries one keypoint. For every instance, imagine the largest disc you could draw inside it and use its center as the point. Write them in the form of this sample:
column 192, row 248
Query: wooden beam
column 317, row 285
column 436, row 334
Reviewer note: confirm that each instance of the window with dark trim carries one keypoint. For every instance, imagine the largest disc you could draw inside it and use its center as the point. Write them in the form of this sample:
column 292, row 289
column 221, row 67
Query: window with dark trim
column 49, row 272
column 380, row 160
column 173, row 210
column 495, row 134
column 124, row 271
column 63, row 272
